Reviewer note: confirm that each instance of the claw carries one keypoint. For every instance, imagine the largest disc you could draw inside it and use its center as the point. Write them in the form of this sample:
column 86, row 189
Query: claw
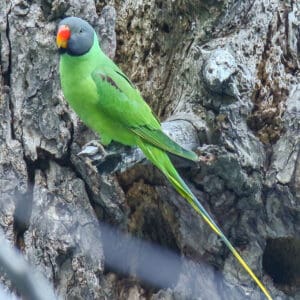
column 92, row 148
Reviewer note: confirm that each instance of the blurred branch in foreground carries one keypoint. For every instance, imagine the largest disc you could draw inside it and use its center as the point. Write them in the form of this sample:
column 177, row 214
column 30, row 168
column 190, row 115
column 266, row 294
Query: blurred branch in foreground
column 5, row 295
column 28, row 282
column 124, row 254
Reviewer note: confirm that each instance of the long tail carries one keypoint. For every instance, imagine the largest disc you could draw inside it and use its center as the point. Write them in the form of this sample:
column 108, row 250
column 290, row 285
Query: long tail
column 161, row 160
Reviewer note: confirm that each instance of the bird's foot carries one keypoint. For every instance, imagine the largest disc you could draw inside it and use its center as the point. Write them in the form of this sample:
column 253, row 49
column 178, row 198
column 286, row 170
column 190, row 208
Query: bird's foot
column 92, row 150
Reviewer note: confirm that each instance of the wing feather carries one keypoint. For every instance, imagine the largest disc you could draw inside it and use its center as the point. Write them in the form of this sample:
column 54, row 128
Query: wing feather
column 122, row 102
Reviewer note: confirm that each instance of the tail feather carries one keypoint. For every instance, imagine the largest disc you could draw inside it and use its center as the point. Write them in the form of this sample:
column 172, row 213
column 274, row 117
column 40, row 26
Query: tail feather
column 161, row 160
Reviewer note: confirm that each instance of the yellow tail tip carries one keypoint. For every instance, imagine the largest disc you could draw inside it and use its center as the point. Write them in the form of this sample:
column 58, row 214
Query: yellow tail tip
column 251, row 273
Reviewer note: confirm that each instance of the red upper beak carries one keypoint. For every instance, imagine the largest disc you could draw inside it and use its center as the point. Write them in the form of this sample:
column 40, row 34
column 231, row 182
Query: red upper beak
column 63, row 35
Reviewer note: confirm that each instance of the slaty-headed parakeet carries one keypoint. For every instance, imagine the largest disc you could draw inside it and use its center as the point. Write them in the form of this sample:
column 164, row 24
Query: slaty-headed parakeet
column 106, row 100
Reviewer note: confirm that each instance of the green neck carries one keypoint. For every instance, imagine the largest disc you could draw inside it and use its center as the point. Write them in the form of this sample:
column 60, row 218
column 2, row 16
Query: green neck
column 84, row 64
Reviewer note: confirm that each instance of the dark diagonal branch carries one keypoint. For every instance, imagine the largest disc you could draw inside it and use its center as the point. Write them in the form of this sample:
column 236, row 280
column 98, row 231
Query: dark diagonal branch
column 117, row 158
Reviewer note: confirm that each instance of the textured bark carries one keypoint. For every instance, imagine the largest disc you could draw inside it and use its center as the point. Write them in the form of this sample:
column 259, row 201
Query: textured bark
column 229, row 72
column 30, row 284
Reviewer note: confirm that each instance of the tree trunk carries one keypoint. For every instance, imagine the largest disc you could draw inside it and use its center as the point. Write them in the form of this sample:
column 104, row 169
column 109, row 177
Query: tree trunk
column 224, row 76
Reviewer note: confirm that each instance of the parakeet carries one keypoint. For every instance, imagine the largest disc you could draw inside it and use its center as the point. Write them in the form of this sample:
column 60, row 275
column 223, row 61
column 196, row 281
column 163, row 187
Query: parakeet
column 109, row 103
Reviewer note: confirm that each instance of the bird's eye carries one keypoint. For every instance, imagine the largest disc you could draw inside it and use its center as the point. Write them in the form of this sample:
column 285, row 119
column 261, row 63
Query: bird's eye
column 81, row 30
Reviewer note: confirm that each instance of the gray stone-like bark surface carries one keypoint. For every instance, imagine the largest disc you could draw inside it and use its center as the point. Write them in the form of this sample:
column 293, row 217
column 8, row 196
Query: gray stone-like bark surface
column 225, row 71
column 30, row 284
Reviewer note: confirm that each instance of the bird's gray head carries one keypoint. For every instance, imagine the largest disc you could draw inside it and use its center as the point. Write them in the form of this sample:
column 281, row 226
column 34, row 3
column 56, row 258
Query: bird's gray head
column 74, row 36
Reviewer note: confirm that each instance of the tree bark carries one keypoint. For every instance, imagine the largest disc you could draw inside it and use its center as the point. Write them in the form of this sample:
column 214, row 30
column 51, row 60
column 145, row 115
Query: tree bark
column 224, row 78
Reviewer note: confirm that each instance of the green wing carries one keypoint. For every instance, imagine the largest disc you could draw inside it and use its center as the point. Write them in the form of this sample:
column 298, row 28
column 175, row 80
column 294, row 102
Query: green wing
column 160, row 140
column 122, row 102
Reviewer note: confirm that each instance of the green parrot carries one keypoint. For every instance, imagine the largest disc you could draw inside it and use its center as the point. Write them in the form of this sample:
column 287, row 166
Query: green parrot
column 107, row 101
